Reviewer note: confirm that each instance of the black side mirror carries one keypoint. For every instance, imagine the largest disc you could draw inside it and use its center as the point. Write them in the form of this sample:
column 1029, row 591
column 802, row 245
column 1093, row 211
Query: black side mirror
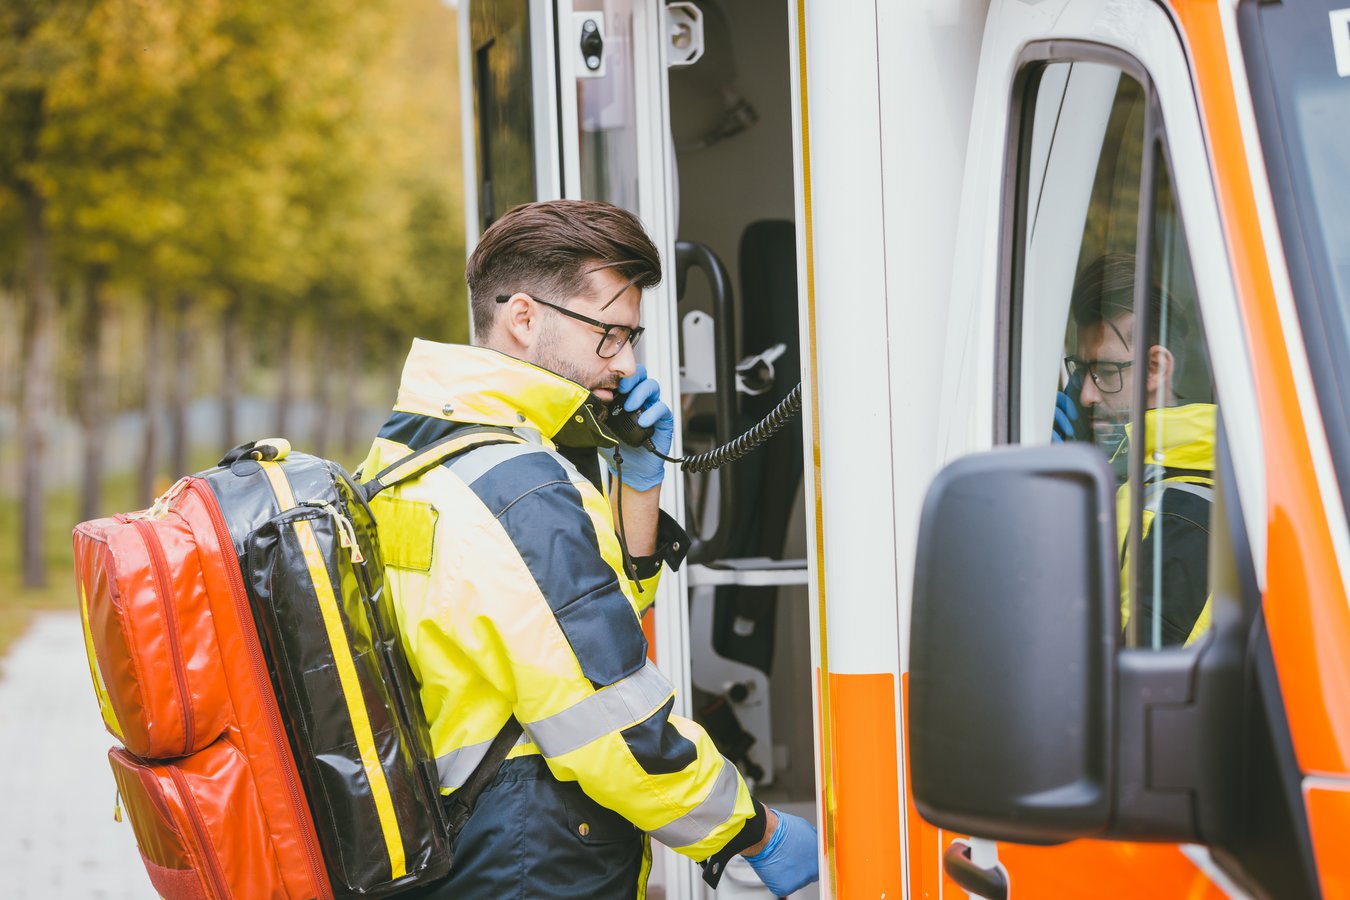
column 1012, row 710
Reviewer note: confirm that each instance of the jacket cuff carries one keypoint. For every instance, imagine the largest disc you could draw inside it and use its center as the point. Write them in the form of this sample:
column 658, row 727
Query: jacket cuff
column 672, row 546
column 751, row 833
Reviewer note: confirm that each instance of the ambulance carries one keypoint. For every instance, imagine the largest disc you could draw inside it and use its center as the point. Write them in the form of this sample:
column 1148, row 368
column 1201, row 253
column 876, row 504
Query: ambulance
column 938, row 614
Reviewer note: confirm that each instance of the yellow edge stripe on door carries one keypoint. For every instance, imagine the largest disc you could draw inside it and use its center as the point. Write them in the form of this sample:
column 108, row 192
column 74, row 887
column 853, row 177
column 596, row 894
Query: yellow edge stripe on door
column 347, row 678
column 104, row 701
column 351, row 692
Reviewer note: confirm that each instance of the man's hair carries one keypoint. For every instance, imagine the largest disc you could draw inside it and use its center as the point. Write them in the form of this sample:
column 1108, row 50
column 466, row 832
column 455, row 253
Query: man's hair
column 548, row 248
column 1104, row 292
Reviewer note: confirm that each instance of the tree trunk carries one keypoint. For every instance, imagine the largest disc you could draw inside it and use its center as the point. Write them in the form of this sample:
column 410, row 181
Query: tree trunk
column 230, row 372
column 325, row 369
column 180, row 388
column 154, row 396
column 92, row 396
column 38, row 391
column 285, row 377
column 349, row 380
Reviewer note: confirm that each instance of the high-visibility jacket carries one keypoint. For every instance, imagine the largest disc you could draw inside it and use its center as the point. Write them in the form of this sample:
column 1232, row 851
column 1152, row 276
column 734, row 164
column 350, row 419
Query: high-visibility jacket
column 509, row 584
column 1177, row 500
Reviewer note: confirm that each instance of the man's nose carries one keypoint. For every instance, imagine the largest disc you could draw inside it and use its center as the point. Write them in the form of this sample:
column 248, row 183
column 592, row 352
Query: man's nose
column 624, row 363
column 1088, row 395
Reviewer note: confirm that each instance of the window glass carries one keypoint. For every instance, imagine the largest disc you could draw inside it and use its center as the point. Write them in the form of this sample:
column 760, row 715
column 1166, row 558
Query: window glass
column 606, row 114
column 1095, row 359
column 503, row 106
column 1179, row 423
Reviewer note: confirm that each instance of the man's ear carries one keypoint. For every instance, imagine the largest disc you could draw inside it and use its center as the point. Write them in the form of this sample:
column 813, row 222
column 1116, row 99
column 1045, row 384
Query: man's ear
column 1161, row 365
column 517, row 325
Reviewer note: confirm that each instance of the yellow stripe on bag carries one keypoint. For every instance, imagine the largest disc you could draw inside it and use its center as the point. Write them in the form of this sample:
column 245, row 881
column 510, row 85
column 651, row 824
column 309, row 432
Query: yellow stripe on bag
column 280, row 486
column 351, row 692
column 104, row 701
column 347, row 677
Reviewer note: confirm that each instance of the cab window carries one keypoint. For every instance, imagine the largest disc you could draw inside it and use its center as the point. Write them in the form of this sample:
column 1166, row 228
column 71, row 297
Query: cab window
column 1105, row 341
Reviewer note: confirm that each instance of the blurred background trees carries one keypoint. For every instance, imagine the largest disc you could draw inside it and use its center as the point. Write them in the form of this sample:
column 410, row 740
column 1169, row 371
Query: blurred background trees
column 219, row 220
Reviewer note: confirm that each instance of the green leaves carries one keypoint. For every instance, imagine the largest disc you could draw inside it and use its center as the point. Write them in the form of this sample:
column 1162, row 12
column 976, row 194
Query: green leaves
column 302, row 156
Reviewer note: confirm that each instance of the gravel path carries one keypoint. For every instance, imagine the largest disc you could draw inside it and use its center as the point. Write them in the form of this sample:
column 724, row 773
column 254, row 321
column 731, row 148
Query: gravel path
column 58, row 839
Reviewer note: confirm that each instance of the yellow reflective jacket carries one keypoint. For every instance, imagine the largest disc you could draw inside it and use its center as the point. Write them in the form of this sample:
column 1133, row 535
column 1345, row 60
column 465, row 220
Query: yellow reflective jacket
column 1178, row 498
column 508, row 580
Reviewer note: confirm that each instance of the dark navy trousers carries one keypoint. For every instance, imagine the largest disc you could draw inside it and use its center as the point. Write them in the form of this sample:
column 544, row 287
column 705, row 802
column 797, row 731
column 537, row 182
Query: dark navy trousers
column 533, row 837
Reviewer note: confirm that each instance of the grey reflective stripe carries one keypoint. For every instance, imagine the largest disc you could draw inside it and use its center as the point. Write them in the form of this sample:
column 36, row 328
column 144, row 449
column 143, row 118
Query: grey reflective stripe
column 1155, row 492
column 700, row 821
column 455, row 767
column 608, row 710
column 475, row 464
column 530, row 434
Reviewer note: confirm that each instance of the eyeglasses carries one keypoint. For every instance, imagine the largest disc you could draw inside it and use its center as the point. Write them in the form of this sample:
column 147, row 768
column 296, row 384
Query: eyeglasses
column 1106, row 374
column 614, row 337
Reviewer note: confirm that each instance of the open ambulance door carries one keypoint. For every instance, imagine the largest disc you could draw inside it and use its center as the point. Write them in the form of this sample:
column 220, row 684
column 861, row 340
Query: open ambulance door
column 1093, row 707
column 681, row 113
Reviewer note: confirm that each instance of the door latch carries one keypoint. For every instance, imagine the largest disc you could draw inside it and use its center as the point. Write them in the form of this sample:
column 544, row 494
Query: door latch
column 589, row 31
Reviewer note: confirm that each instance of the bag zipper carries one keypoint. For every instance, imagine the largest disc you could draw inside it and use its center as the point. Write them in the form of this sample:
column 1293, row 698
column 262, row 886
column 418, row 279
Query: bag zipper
column 264, row 683
column 194, row 815
column 160, row 566
column 156, row 798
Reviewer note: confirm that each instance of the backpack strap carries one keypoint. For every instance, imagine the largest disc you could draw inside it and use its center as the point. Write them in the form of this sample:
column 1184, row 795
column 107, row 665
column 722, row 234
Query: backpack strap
column 461, row 803
column 433, row 454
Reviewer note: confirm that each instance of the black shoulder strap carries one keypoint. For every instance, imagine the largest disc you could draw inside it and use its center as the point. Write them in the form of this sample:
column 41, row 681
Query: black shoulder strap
column 432, row 455
column 414, row 464
column 463, row 800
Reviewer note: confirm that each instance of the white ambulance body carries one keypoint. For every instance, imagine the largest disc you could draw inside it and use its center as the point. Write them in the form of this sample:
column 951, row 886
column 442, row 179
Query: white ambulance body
column 898, row 202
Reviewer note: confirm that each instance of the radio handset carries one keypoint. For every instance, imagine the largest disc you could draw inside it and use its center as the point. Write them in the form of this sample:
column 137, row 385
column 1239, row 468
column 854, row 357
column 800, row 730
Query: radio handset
column 624, row 424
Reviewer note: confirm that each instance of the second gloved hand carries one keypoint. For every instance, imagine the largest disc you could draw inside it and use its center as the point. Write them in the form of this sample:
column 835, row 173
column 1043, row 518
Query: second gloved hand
column 788, row 862
column 1068, row 422
column 643, row 469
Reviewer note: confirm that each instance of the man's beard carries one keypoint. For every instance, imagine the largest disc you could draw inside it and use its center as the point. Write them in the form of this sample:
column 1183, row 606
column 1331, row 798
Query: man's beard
column 548, row 357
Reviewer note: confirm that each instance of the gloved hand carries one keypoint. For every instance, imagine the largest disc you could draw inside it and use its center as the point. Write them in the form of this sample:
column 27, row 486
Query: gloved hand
column 1067, row 422
column 788, row 862
column 643, row 469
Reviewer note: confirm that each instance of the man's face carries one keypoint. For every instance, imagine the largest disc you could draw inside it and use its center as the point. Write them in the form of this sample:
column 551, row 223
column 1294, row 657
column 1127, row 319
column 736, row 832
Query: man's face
column 567, row 347
column 1105, row 342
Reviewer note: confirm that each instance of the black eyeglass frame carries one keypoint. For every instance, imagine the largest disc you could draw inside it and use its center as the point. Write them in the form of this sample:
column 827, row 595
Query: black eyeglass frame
column 634, row 332
column 1073, row 364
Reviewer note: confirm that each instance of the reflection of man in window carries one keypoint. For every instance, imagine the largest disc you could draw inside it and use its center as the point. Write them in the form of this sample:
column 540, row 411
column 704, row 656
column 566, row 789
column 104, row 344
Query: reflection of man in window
column 1178, row 451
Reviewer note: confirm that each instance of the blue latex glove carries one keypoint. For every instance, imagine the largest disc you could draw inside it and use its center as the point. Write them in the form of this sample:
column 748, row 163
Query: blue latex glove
column 1066, row 412
column 788, row 862
column 643, row 469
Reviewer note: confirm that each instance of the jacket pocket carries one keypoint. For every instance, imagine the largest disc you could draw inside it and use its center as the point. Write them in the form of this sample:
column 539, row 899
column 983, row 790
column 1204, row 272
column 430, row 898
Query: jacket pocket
column 592, row 823
column 604, row 634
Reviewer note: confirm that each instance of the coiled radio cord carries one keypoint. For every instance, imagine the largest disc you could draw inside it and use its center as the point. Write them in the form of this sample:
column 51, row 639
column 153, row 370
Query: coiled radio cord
column 733, row 450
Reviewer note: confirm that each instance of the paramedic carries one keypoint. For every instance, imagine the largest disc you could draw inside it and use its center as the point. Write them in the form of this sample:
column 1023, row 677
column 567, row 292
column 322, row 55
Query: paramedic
column 516, row 597
column 1179, row 442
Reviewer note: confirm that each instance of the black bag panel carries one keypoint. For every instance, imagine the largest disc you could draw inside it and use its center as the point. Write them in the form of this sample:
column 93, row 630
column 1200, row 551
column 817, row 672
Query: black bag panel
column 306, row 670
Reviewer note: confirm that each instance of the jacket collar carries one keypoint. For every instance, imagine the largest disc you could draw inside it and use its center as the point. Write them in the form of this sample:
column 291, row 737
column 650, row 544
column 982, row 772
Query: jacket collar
column 1179, row 437
column 476, row 385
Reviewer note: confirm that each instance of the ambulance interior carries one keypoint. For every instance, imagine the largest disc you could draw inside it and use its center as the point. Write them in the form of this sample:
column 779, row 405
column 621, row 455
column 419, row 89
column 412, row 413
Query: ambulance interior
column 731, row 130
column 749, row 624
